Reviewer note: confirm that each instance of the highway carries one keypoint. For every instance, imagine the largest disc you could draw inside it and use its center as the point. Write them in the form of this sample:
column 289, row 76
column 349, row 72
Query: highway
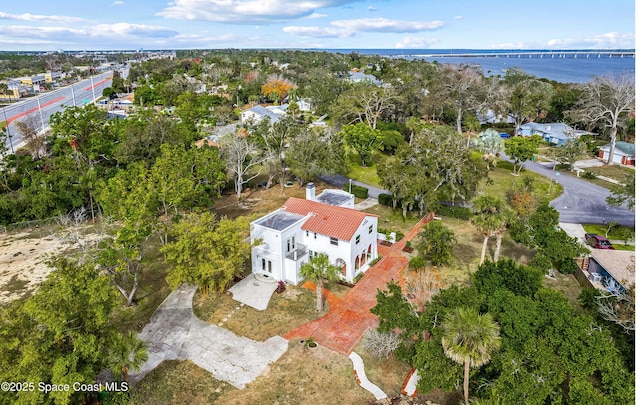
column 51, row 102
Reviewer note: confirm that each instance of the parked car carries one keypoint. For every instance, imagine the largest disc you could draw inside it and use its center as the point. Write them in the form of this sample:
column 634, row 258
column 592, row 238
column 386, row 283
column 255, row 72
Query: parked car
column 597, row 241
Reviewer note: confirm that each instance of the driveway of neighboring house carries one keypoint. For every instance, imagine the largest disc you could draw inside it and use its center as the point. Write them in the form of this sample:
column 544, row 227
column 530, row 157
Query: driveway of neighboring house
column 350, row 317
column 175, row 333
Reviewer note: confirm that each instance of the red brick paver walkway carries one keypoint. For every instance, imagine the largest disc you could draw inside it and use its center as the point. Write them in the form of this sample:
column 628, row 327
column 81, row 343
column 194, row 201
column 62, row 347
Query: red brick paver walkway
column 350, row 317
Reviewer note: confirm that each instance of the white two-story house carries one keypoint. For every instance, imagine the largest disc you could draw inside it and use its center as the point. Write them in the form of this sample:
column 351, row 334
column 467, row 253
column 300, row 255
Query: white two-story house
column 306, row 227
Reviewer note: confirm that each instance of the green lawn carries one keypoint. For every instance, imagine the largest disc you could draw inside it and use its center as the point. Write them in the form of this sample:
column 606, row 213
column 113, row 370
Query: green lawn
column 624, row 247
column 619, row 232
column 502, row 178
column 614, row 172
column 367, row 175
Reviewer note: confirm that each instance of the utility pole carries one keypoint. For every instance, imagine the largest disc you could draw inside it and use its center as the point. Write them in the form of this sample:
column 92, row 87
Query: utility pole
column 4, row 109
column 40, row 112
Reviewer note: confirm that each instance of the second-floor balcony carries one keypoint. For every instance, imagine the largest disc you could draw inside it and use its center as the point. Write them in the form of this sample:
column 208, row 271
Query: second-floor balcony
column 299, row 252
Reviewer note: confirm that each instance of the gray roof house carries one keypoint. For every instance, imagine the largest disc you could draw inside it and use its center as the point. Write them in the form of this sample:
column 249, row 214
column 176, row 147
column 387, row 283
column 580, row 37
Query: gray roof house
column 363, row 77
column 258, row 113
column 556, row 133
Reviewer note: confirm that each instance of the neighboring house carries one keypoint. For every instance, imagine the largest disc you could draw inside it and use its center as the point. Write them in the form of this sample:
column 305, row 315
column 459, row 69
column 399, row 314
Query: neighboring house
column 556, row 133
column 357, row 76
column 304, row 104
column 302, row 228
column 258, row 113
column 610, row 270
column 624, row 153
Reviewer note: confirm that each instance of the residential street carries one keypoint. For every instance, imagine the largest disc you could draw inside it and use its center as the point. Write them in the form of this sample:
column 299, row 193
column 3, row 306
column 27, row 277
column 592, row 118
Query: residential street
column 583, row 202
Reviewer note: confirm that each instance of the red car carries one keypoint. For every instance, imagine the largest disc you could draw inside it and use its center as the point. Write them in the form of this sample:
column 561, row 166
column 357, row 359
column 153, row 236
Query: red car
column 597, row 241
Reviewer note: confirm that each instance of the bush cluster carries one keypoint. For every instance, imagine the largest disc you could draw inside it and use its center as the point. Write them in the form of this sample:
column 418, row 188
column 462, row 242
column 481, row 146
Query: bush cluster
column 463, row 213
column 358, row 191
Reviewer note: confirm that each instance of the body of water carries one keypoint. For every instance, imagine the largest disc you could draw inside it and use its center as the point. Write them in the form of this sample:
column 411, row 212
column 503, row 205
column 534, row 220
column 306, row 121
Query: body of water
column 567, row 66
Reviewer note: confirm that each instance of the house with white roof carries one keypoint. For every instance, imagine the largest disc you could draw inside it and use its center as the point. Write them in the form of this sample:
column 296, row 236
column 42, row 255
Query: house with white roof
column 624, row 153
column 302, row 228
column 258, row 113
column 556, row 133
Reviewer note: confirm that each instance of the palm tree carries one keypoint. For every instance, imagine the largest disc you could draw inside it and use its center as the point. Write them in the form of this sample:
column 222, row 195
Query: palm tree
column 469, row 339
column 507, row 215
column 126, row 352
column 316, row 270
column 490, row 144
column 489, row 218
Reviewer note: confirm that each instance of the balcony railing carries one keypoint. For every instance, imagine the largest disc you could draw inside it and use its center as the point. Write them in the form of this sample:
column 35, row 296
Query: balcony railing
column 298, row 252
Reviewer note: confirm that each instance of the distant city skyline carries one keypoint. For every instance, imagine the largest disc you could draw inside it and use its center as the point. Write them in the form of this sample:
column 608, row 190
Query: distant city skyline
column 72, row 25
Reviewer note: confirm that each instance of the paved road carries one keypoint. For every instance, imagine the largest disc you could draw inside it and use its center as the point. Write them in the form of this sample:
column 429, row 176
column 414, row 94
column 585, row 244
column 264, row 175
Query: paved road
column 583, row 202
column 339, row 181
column 51, row 102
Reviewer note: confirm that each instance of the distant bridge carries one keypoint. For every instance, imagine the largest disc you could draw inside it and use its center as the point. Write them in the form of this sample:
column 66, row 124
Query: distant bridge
column 533, row 54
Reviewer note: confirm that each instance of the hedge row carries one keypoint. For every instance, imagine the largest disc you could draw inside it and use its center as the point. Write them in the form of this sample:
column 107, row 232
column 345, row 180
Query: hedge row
column 453, row 212
column 358, row 191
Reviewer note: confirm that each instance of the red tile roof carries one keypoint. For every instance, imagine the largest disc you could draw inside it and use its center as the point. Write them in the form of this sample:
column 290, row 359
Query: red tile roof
column 337, row 222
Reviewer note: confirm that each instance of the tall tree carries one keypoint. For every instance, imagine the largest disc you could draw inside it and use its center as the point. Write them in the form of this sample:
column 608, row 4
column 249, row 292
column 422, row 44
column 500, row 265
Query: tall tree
column 570, row 152
column 470, row 339
column 521, row 149
column 277, row 87
column 490, row 144
column 605, row 100
column 625, row 192
column 315, row 152
column 206, row 251
column 527, row 97
column 489, row 218
column 316, row 270
column 363, row 139
column 243, row 158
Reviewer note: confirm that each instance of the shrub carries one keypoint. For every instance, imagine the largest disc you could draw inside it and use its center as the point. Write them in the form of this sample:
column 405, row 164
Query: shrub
column 385, row 199
column 399, row 236
column 381, row 344
column 417, row 263
column 435, row 243
column 588, row 175
column 463, row 213
column 359, row 276
column 358, row 191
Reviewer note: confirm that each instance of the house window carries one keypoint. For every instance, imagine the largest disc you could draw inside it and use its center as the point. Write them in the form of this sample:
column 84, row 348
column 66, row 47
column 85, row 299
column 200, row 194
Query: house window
column 334, row 241
column 311, row 253
column 264, row 265
column 307, row 233
column 357, row 239
column 315, row 235
column 370, row 228
column 270, row 269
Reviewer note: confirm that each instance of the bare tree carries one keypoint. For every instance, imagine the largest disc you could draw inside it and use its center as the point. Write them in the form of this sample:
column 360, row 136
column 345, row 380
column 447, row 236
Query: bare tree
column 605, row 100
column 242, row 157
column 28, row 128
column 422, row 286
column 381, row 344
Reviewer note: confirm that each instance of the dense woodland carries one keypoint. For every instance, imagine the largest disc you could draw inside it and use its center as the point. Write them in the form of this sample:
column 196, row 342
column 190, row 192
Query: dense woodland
column 144, row 175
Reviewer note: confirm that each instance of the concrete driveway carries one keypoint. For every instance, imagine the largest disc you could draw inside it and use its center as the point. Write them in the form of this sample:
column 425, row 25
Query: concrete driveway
column 175, row 333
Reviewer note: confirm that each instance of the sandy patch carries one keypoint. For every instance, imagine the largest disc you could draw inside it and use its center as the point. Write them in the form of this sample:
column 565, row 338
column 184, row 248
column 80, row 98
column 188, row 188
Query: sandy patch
column 23, row 260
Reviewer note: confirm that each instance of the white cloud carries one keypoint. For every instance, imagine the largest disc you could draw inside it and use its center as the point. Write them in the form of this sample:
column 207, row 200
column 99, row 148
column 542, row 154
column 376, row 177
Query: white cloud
column 610, row 40
column 40, row 18
column 118, row 3
column 371, row 8
column 458, row 17
column 135, row 30
column 317, row 32
column 246, row 11
column 607, row 40
column 416, row 42
column 316, row 15
column 349, row 28
column 387, row 25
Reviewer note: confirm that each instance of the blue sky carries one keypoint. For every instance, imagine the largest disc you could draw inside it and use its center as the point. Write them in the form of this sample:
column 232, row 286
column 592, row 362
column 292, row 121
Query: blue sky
column 402, row 24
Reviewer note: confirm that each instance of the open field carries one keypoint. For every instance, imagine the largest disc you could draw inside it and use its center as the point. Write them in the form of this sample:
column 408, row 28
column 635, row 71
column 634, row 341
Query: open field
column 367, row 175
column 301, row 375
column 387, row 373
